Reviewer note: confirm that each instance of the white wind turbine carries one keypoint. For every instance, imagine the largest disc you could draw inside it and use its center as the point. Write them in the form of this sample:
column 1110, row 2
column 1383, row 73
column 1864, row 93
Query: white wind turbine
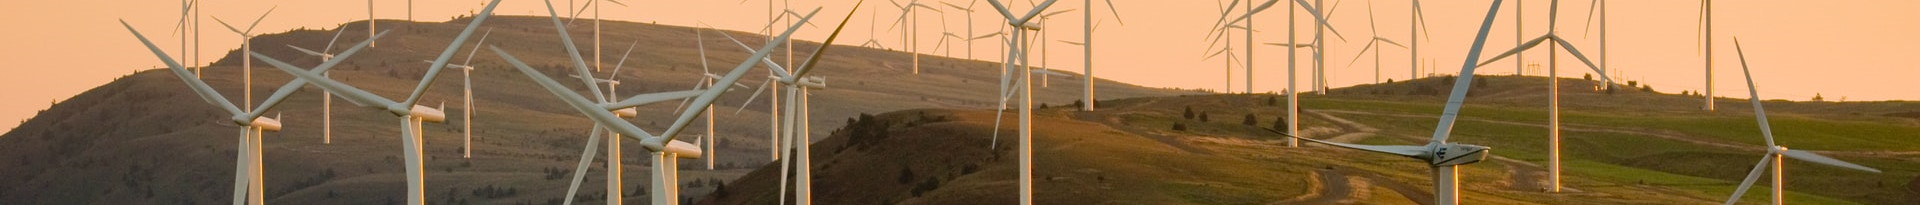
column 1776, row 154
column 1373, row 45
column 246, row 65
column 410, row 113
column 181, row 29
column 1017, row 50
column 1553, row 87
column 664, row 147
column 708, row 82
column 1087, row 94
column 622, row 109
column 466, row 76
column 969, row 10
column 1442, row 157
column 1044, row 79
column 248, row 172
column 1417, row 25
column 1293, row 101
column 1293, row 92
column 1600, row 7
column 797, row 131
column 326, row 98
column 907, row 37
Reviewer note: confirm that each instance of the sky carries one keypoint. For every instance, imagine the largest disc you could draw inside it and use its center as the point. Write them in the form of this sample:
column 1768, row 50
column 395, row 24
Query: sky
column 1856, row 50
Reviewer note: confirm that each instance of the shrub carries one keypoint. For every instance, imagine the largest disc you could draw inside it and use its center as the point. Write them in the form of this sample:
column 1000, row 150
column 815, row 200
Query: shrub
column 1179, row 127
column 1189, row 113
column 1249, row 121
column 1280, row 123
column 1203, row 116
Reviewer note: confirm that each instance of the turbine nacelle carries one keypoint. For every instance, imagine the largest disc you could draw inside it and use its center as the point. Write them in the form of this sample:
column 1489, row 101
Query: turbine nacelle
column 683, row 150
column 426, row 114
column 626, row 113
column 264, row 123
column 1450, row 154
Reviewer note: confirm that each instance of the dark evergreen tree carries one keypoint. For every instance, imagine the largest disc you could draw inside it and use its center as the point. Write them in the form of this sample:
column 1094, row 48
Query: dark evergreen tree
column 1189, row 113
column 1250, row 121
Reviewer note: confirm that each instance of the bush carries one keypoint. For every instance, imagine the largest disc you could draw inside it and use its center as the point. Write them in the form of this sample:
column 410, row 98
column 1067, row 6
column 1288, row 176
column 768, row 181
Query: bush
column 1203, row 116
column 1179, row 127
column 1249, row 121
column 1280, row 123
column 906, row 175
column 1189, row 113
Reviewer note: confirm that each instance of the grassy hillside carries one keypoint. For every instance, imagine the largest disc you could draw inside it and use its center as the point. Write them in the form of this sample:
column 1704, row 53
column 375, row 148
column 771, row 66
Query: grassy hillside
column 1630, row 147
column 146, row 139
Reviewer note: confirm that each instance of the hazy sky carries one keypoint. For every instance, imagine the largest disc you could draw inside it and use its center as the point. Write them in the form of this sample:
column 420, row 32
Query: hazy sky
column 1859, row 50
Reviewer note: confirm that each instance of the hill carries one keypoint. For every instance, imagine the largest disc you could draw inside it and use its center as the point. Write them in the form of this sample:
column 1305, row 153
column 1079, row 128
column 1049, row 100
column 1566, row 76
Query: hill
column 1630, row 147
column 145, row 139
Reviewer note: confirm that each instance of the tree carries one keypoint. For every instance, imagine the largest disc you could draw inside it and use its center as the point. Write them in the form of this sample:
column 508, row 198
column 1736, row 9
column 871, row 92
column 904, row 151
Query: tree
column 1589, row 77
column 1203, row 116
column 1189, row 113
column 1272, row 100
column 1817, row 98
column 1179, row 127
column 1250, row 121
column 1280, row 123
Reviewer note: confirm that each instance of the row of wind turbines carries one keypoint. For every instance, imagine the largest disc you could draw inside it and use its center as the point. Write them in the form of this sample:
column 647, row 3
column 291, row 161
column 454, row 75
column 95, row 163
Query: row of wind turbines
column 607, row 110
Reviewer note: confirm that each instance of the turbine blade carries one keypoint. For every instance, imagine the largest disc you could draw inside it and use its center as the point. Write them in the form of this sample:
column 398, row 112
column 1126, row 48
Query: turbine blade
column 586, row 157
column 348, row 92
column 756, row 94
column 775, row 67
column 650, row 98
column 309, row 52
column 1592, row 8
column 1516, row 50
column 476, row 48
column 263, row 17
column 1321, row 19
column 1458, row 96
column 446, row 54
column 230, row 27
column 1583, row 58
column 201, row 88
column 1759, row 113
column 595, row 112
column 1751, row 177
column 1116, row 13
column 1402, row 150
column 1422, row 15
column 1390, row 41
column 1817, row 158
column 336, row 38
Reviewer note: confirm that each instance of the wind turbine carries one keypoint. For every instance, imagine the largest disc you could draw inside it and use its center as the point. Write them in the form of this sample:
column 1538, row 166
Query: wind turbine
column 1293, row 92
column 1706, row 24
column 1442, row 157
column 1087, row 94
column 1601, row 7
column 796, row 132
column 1320, row 21
column 1044, row 82
column 1419, row 16
column 1222, row 34
column 246, row 66
column 969, row 10
column 326, row 98
column 912, row 42
column 1553, row 87
column 466, row 75
column 623, row 110
column 248, row 172
column 410, row 113
column 1373, row 45
column 1017, row 50
column 1776, row 154
column 181, row 29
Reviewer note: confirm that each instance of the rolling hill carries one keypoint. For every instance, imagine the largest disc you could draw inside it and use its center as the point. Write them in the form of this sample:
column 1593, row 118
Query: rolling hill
column 146, row 139
column 1629, row 147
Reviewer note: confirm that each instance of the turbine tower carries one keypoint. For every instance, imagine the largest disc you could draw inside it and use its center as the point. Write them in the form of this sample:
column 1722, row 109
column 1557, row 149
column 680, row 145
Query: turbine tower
column 1086, row 96
column 410, row 113
column 1373, row 45
column 466, row 76
column 1776, row 155
column 1017, row 51
column 1442, row 157
column 1706, row 24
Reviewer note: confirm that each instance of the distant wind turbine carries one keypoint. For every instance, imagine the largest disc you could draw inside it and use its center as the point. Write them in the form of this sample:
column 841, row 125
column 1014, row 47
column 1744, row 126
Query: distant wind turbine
column 910, row 38
column 246, row 44
column 1017, row 51
column 1373, row 45
column 1776, row 155
column 1553, row 86
column 326, row 98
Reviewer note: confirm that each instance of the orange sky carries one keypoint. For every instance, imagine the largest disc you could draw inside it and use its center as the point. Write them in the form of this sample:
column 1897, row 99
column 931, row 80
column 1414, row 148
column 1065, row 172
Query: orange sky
column 1798, row 48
